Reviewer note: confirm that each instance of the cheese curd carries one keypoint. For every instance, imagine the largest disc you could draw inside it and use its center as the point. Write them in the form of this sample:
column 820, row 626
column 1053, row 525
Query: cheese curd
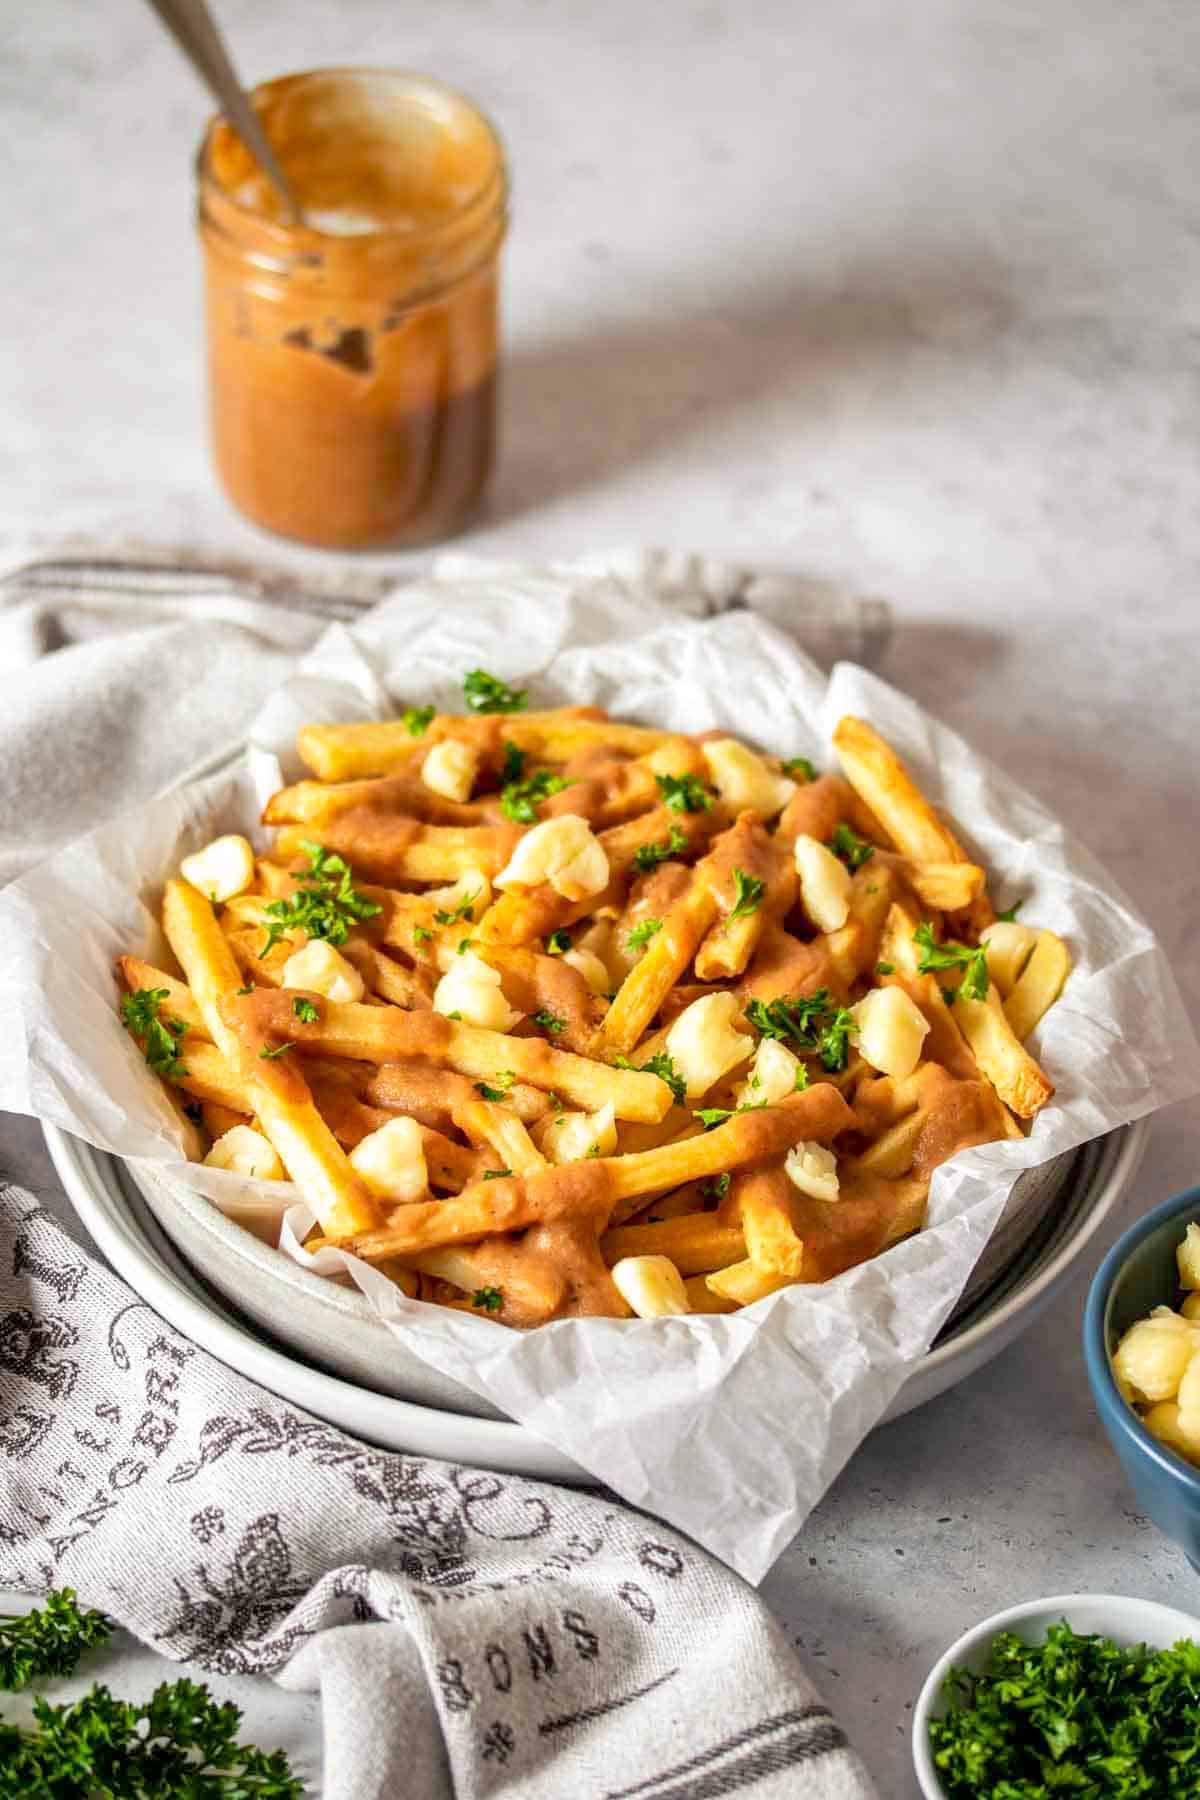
column 744, row 781
column 1153, row 1356
column 651, row 1286
column 450, row 769
column 222, row 869
column 562, row 851
column 1009, row 947
column 472, row 890
column 392, row 1161
column 772, row 1077
column 573, row 1136
column 703, row 1044
column 891, row 1031
column 471, row 989
column 1187, row 1260
column 320, row 969
column 813, row 1170
column 244, row 1151
column 590, row 967
column 824, row 884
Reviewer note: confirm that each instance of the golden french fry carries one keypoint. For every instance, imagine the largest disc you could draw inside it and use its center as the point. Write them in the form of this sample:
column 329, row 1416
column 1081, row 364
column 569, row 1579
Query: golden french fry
column 746, row 1282
column 763, row 1199
column 695, row 1243
column 946, row 886
column 178, row 1004
column 387, row 853
column 1014, row 1074
column 646, row 986
column 1039, row 986
column 504, row 1133
column 701, row 1298
column 881, row 780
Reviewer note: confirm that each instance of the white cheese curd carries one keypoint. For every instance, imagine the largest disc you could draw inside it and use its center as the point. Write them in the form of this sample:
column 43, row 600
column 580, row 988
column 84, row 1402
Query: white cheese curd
column 1187, row 1258
column 891, row 1030
column 590, row 967
column 703, row 1044
column 222, row 869
column 392, row 1161
column 450, row 769
column 321, row 969
column 1009, row 947
column 563, row 851
column 744, row 781
column 472, row 989
column 773, row 1076
column 1153, row 1356
column 651, row 1285
column 245, row 1151
column 813, row 1169
column 824, row 884
column 574, row 1136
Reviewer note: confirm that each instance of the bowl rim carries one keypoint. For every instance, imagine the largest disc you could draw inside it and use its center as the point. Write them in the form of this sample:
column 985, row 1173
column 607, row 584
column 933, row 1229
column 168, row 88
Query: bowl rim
column 1117, row 1416
column 931, row 1785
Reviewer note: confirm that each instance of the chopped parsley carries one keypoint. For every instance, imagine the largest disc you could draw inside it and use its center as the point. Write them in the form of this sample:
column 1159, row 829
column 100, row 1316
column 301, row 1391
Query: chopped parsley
column 503, row 1082
column 801, row 1081
column 417, row 719
column 485, row 693
column 451, row 915
column 851, row 849
column 812, row 1022
column 641, row 934
column 648, row 856
column 248, row 989
column 684, row 793
column 709, row 1116
column 513, row 766
column 885, row 968
column 748, row 893
column 266, row 1055
column 1077, row 1714
column 717, row 1188
column 662, row 1066
column 305, row 1011
column 326, row 905
column 495, row 1174
column 558, row 943
column 422, row 934
column 1010, row 912
column 488, row 1299
column 519, row 800
column 952, row 955
column 140, row 1014
column 464, row 944
column 547, row 1020
column 800, row 769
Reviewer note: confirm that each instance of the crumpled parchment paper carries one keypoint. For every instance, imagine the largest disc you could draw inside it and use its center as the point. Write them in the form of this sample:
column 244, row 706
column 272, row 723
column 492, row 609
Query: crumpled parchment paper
column 730, row 1426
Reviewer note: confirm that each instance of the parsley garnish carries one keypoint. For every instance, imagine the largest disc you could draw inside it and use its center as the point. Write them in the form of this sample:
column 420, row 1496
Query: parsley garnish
column 324, row 906
column 503, row 1082
column 713, row 1115
column 648, row 856
column 265, row 1055
column 48, row 1641
column 140, row 1013
column 1010, row 912
column 484, row 693
column 801, row 1081
column 513, row 766
column 885, row 968
column 547, row 1020
column 558, row 943
column 641, row 934
column 747, row 895
column 717, row 1188
column 519, row 800
column 849, row 847
column 799, row 768
column 417, row 719
column 464, row 944
column 305, row 1011
column 1077, row 1714
column 248, row 989
column 662, row 1066
column 451, row 915
column 684, row 793
column 495, row 1174
column 490, row 1299
column 811, row 1021
column 951, row 955
column 421, row 934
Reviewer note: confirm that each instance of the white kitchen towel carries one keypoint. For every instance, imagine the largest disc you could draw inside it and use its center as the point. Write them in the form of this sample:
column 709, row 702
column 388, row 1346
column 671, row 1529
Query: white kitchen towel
column 470, row 1634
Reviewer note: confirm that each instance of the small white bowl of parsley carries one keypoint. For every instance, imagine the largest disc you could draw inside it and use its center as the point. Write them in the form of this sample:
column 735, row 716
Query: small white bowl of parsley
column 1095, row 1696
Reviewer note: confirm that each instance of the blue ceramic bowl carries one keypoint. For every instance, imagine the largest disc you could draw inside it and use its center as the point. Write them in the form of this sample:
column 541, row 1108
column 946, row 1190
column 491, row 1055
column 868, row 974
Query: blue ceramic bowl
column 1139, row 1273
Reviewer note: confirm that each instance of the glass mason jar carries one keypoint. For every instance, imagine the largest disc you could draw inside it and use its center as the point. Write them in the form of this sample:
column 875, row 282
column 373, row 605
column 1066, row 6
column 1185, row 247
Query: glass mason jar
column 352, row 357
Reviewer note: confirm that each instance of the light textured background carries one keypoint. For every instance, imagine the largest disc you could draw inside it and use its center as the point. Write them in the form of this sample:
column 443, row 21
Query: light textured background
column 905, row 298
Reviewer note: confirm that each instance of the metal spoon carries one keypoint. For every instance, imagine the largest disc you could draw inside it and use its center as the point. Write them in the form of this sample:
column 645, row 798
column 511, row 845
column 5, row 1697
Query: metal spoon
column 194, row 30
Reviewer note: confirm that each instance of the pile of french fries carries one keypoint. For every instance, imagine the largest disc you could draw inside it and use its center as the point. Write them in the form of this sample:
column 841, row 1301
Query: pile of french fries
column 549, row 1015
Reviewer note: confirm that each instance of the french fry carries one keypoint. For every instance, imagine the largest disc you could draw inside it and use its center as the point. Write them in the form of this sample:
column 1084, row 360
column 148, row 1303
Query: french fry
column 386, row 853
column 746, row 1282
column 944, row 886
column 279, row 1097
column 763, row 1199
column 883, row 783
column 1016, row 1077
column 178, row 1004
column 1039, row 986
column 646, row 986
column 504, row 1133
column 701, row 1298
column 696, row 1243
column 402, row 796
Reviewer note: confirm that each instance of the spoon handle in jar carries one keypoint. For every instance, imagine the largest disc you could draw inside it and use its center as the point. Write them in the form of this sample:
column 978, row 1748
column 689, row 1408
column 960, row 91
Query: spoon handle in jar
column 194, row 30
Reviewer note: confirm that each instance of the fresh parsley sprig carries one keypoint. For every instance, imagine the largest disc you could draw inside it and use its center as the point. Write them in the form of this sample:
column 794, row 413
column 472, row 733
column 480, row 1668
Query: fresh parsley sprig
column 549, row 1021
column 49, row 1641
column 641, row 934
column 417, row 719
column 486, row 693
column 748, row 893
column 141, row 1014
column 326, row 905
column 498, row 1088
column 813, row 1022
column 488, row 1299
column 952, row 955
column 648, row 856
column 849, row 848
column 661, row 1065
column 519, row 800
column 684, row 793
column 800, row 769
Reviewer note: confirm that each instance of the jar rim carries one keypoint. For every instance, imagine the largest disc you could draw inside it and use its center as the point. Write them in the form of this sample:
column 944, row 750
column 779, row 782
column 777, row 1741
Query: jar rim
column 290, row 235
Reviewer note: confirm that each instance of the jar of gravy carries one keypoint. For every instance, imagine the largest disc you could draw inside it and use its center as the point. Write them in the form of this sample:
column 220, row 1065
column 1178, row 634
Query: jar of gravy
column 352, row 356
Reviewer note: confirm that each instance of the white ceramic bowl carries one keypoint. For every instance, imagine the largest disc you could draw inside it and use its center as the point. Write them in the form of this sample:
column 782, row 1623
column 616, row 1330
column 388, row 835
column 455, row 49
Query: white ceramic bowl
column 1120, row 1617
